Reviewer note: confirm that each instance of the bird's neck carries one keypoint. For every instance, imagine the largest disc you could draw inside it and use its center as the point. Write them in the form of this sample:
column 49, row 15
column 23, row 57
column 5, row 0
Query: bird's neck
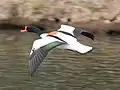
column 39, row 32
column 36, row 30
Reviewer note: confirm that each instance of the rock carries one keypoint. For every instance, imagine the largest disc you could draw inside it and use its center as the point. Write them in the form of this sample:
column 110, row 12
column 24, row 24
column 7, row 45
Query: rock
column 55, row 12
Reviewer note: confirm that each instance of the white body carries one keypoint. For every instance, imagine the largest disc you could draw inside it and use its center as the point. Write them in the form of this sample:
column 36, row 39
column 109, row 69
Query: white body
column 72, row 43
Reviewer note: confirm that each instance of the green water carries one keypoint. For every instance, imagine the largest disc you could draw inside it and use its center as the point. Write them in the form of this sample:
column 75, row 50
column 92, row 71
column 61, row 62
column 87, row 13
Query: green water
column 62, row 69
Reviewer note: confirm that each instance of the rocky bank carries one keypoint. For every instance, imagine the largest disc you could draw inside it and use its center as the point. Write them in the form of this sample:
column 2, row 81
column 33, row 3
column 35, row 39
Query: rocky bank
column 99, row 16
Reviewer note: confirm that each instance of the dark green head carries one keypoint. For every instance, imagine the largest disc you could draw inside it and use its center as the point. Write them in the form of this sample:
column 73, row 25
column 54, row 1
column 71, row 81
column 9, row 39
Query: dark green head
column 30, row 28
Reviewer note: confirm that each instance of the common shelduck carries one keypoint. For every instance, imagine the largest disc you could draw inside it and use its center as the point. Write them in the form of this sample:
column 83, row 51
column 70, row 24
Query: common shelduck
column 64, row 38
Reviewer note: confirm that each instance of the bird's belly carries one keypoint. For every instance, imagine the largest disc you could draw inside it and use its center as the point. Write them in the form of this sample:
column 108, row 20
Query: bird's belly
column 42, row 42
column 66, row 46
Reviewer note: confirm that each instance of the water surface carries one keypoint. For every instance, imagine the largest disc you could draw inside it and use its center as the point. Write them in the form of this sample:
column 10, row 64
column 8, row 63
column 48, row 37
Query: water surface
column 62, row 69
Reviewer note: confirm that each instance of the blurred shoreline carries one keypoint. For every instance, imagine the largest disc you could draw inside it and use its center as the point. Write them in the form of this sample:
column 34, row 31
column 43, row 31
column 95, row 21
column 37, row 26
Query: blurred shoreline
column 96, row 27
column 98, row 16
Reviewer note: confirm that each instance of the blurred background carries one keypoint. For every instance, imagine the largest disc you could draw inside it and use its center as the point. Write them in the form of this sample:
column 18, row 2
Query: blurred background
column 62, row 69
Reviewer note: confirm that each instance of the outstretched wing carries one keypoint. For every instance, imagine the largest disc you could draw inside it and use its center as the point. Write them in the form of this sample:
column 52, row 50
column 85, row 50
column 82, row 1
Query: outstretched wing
column 38, row 56
column 75, row 31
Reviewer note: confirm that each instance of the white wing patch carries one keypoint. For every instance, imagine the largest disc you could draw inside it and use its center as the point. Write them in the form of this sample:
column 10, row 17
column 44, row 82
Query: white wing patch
column 67, row 28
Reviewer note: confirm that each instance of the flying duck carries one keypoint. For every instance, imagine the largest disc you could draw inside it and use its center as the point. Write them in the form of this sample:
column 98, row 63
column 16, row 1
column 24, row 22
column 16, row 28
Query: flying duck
column 64, row 39
column 69, row 30
column 64, row 30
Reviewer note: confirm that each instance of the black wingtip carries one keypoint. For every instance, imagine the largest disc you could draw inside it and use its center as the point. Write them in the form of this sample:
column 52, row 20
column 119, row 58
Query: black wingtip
column 89, row 35
column 31, row 74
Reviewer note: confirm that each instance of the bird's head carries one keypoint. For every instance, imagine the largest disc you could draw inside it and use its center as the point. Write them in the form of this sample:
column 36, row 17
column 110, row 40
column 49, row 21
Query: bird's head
column 30, row 28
